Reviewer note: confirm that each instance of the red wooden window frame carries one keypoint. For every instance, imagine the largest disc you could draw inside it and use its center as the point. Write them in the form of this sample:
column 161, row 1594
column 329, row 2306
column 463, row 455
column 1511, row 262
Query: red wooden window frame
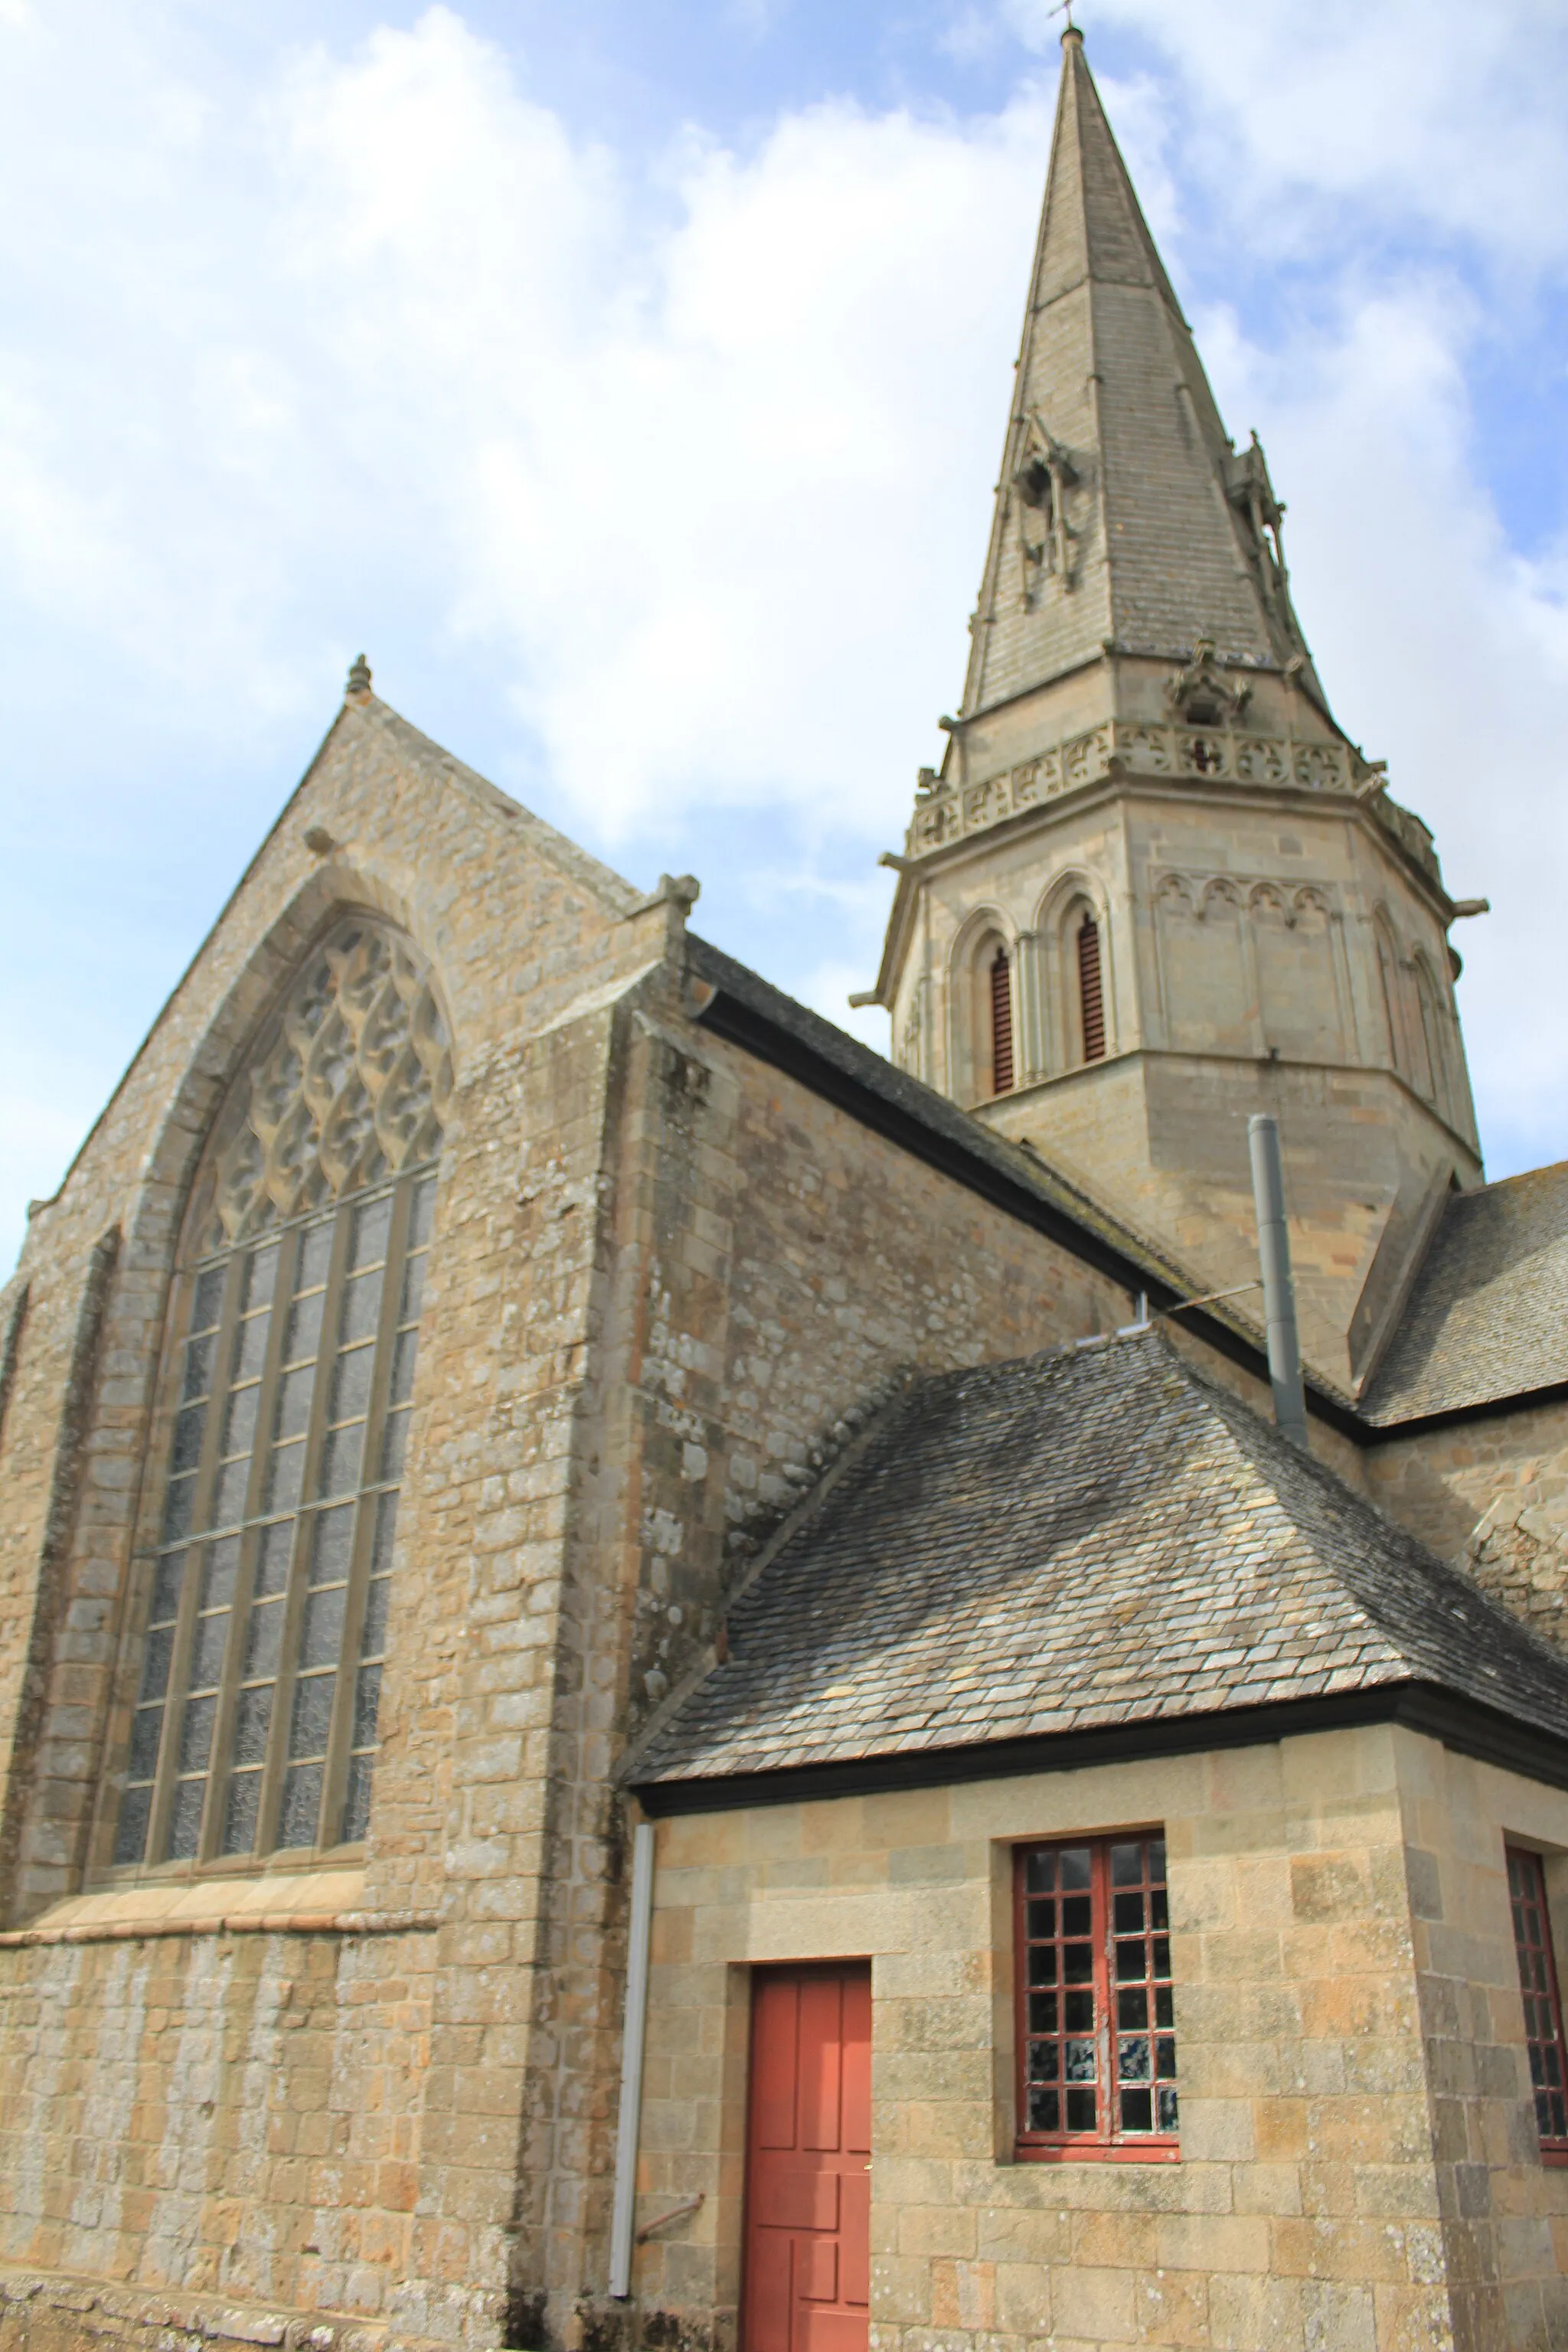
column 1001, row 1024
column 1095, row 2036
column 1091, row 989
column 1542, row 2001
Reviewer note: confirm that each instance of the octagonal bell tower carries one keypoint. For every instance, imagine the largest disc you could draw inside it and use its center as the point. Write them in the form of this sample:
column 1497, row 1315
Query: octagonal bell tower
column 1154, row 886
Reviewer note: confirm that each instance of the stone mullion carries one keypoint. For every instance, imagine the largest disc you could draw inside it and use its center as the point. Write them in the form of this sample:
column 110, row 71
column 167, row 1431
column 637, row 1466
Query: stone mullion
column 334, row 1778
column 220, row 1381
column 1031, row 1008
column 222, row 1757
column 275, row 1769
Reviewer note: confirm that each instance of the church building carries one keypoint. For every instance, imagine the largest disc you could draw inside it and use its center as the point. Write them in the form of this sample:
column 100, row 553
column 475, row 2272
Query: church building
column 667, row 1684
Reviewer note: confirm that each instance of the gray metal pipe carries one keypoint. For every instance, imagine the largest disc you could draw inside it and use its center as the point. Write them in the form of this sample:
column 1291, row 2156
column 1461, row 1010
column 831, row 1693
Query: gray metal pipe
column 1278, row 1291
column 638, row 1932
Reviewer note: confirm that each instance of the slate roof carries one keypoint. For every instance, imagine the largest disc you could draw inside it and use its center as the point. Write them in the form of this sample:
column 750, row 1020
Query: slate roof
column 1487, row 1317
column 1085, row 1538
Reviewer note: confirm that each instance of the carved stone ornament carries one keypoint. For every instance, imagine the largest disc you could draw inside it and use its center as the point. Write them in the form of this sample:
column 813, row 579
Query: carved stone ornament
column 1203, row 693
column 351, row 1085
column 1041, row 477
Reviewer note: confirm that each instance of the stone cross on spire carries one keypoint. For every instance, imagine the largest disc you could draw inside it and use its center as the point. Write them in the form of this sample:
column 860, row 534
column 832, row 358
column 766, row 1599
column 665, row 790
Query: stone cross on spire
column 1123, row 511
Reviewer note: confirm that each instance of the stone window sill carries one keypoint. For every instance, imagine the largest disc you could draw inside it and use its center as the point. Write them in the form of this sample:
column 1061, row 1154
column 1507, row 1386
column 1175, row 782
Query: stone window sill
column 301, row 1902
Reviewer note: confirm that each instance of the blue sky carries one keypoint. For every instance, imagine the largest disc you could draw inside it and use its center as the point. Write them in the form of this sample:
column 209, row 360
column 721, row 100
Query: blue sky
column 628, row 382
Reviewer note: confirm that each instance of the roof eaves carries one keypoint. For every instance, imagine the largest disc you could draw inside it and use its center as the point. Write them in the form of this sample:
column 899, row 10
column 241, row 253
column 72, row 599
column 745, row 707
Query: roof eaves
column 1386, row 1426
column 751, row 1012
column 1465, row 1725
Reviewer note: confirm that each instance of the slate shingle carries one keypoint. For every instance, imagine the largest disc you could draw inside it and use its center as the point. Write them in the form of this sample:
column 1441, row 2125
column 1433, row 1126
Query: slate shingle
column 1487, row 1317
column 1094, row 1538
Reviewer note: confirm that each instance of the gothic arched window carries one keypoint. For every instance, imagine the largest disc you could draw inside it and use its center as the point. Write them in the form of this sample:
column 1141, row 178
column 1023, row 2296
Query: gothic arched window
column 288, row 1383
column 1001, row 1024
column 1090, row 990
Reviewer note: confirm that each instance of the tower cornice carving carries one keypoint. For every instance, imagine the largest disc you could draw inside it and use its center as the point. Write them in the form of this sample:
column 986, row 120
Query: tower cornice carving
column 1160, row 751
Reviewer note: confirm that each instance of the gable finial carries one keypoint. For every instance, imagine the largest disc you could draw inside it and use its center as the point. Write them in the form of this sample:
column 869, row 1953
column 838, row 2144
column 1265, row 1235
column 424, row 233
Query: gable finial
column 359, row 675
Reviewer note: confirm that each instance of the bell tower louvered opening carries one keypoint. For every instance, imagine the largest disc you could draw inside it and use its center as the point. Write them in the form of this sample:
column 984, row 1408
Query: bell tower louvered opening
column 1001, row 1024
column 1091, row 991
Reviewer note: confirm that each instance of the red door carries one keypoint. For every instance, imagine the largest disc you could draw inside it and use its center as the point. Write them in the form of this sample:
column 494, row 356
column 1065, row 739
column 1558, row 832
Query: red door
column 808, row 2144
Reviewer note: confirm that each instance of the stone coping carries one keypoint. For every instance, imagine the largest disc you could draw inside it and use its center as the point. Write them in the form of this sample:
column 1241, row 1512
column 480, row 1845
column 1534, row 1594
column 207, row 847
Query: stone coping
column 299, row 1903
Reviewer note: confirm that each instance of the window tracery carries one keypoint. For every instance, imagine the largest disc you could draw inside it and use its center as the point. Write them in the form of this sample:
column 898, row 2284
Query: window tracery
column 353, row 1087
column 297, row 1318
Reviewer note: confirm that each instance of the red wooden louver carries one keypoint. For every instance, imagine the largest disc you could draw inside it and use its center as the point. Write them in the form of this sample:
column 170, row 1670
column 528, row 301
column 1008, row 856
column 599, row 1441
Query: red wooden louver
column 1001, row 1024
column 1090, row 993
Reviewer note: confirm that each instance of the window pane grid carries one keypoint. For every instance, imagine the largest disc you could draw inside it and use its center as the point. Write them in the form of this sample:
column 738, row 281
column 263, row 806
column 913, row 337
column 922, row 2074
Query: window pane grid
column 1096, row 2040
column 254, row 1722
column 1542, row 2006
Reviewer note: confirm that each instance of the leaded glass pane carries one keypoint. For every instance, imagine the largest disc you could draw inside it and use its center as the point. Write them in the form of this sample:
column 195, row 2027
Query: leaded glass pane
column 253, row 1715
column 314, row 1200
column 301, row 1806
column 331, row 1539
column 324, row 1626
column 131, row 1835
column 241, row 1812
column 376, row 1603
column 312, row 1714
column 264, row 1638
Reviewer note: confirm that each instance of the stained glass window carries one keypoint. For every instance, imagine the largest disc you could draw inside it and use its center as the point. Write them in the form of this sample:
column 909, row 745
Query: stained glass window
column 1096, row 2025
column 289, row 1390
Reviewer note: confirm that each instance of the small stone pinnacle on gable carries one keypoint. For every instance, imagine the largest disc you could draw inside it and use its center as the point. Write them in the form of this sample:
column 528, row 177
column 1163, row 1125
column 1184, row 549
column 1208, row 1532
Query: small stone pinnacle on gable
column 359, row 675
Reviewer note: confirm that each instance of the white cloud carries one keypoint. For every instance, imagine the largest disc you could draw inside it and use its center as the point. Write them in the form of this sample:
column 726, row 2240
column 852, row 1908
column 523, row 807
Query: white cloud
column 698, row 456
column 1443, row 647
column 1436, row 113
column 696, row 474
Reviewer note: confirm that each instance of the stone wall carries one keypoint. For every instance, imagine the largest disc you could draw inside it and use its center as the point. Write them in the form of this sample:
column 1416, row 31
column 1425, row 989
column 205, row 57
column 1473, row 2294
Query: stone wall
column 224, row 2114
column 768, row 1272
column 1308, row 2209
column 387, row 2185
column 666, row 1285
column 1491, row 1494
column 1504, row 2219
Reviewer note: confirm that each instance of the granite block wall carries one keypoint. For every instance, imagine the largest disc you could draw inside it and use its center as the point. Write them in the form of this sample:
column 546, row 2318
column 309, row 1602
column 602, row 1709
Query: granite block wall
column 667, row 1284
column 1320, row 2196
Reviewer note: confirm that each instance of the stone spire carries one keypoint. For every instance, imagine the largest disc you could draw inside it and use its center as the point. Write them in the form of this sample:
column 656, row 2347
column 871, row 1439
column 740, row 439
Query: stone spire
column 1123, row 512
column 1155, row 892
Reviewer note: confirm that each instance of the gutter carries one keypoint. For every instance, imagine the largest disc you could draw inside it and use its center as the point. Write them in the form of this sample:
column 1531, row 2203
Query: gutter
column 1467, row 1726
column 633, row 2043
